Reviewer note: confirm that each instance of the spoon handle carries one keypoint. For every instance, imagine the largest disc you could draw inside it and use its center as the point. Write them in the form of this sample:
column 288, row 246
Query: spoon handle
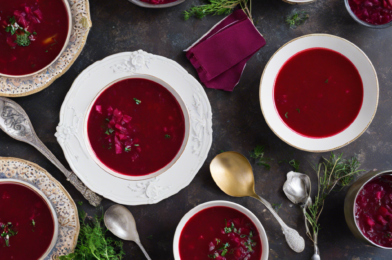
column 143, row 250
column 89, row 195
column 295, row 241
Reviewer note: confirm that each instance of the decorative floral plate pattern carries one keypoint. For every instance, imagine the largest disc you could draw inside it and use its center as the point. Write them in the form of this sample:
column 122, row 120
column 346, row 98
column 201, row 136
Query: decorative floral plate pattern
column 20, row 87
column 67, row 213
column 70, row 132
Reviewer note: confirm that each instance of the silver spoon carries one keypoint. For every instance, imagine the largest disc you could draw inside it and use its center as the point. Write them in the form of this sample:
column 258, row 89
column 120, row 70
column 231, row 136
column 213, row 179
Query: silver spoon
column 297, row 189
column 120, row 221
column 16, row 123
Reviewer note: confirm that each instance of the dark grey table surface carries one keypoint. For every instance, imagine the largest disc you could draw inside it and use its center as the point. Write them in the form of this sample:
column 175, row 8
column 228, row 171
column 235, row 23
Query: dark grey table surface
column 238, row 123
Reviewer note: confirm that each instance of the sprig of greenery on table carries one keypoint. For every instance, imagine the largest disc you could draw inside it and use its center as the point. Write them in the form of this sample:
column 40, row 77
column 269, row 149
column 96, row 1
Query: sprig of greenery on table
column 219, row 7
column 297, row 18
column 258, row 155
column 331, row 172
column 94, row 242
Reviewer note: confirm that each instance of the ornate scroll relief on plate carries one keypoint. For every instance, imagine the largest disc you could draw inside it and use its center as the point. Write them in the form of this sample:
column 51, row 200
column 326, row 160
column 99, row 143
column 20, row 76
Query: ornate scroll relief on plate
column 71, row 136
column 20, row 87
column 67, row 213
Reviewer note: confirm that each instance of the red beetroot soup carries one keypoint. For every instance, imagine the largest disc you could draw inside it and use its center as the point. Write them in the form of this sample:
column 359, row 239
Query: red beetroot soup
column 220, row 233
column 32, row 34
column 318, row 93
column 375, row 12
column 136, row 127
column 373, row 210
column 28, row 221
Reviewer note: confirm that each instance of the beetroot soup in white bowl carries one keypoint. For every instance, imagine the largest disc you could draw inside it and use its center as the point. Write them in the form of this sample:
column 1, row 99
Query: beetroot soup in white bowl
column 137, row 127
column 220, row 230
column 319, row 92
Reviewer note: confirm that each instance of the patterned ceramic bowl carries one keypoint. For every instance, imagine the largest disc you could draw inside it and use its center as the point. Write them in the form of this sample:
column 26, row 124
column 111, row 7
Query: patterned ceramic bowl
column 147, row 5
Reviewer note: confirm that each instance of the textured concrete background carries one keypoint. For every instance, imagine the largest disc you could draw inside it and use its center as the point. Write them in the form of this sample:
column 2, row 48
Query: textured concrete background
column 237, row 120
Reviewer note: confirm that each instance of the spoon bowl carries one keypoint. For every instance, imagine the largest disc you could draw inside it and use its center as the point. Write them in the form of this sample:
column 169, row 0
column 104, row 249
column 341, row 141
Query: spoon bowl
column 120, row 221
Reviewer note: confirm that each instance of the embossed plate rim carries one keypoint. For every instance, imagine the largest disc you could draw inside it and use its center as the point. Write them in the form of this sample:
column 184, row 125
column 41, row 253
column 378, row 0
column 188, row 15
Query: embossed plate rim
column 53, row 254
column 70, row 130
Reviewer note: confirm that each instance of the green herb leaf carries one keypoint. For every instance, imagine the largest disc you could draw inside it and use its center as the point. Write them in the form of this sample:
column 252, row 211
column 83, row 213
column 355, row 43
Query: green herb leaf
column 136, row 144
column 258, row 155
column 80, row 203
column 326, row 81
column 276, row 206
column 23, row 39
column 137, row 101
column 127, row 149
column 299, row 111
column 167, row 136
column 33, row 222
column 224, row 252
column 109, row 131
column 296, row 19
column 217, row 241
column 295, row 164
column 286, row 115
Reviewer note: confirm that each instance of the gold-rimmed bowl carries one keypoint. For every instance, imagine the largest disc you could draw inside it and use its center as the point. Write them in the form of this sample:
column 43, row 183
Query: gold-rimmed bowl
column 370, row 97
column 349, row 205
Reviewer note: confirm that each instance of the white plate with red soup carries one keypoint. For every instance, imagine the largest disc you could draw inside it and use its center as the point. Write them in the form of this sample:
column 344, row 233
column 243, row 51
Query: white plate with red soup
column 220, row 230
column 34, row 35
column 135, row 127
column 319, row 92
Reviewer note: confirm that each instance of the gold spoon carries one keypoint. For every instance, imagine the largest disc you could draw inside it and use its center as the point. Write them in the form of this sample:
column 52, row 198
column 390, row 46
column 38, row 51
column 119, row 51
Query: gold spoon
column 233, row 174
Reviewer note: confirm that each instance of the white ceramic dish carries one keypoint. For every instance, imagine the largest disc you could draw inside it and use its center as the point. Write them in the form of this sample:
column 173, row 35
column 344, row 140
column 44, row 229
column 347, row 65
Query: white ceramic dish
column 70, row 24
column 299, row 1
column 370, row 85
column 217, row 203
column 147, row 5
column 71, row 137
column 164, row 169
column 52, row 210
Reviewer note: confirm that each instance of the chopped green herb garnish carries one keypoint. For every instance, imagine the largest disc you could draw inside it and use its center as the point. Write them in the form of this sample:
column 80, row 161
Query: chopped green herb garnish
column 224, row 252
column 217, row 241
column 258, row 154
column 127, row 149
column 107, row 119
column 137, row 101
column 212, row 256
column 33, row 222
column 167, row 136
column 80, row 203
column 109, row 131
column 227, row 230
column 326, row 81
column 7, row 233
column 299, row 111
column 137, row 145
column 34, row 33
column 242, row 236
column 295, row 164
column 286, row 115
column 276, row 206
column 297, row 19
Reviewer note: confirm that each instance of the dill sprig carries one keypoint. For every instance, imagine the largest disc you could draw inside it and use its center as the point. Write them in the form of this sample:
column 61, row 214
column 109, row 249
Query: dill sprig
column 331, row 172
column 258, row 155
column 297, row 18
column 94, row 242
column 219, row 7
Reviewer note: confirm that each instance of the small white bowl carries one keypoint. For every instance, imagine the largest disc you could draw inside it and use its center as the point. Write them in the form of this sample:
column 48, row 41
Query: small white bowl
column 147, row 5
column 294, row 2
column 370, row 96
column 69, row 13
column 180, row 152
column 51, row 208
column 221, row 203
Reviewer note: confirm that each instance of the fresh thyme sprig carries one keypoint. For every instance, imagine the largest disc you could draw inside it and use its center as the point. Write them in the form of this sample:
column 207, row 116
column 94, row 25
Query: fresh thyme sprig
column 297, row 18
column 331, row 172
column 219, row 7
column 258, row 154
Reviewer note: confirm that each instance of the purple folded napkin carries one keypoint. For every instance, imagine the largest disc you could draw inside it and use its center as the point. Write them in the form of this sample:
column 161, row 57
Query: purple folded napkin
column 220, row 55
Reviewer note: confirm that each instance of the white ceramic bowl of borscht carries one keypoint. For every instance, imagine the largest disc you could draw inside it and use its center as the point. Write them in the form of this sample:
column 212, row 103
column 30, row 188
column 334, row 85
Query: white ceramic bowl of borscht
column 319, row 92
column 29, row 226
column 136, row 127
column 220, row 230
column 34, row 35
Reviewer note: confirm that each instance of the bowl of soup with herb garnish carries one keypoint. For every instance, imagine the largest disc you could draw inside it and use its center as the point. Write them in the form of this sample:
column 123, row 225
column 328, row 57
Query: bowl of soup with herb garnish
column 33, row 35
column 28, row 222
column 137, row 127
column 319, row 92
column 220, row 230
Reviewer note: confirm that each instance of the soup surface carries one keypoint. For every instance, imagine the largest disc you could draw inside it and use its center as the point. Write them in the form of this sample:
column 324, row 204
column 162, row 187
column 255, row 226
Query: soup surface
column 32, row 34
column 318, row 93
column 220, row 233
column 372, row 11
column 27, row 220
column 136, row 127
column 373, row 210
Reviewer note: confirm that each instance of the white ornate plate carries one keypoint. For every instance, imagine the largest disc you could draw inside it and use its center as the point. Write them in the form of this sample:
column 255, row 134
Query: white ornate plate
column 67, row 213
column 81, row 21
column 70, row 132
column 370, row 96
